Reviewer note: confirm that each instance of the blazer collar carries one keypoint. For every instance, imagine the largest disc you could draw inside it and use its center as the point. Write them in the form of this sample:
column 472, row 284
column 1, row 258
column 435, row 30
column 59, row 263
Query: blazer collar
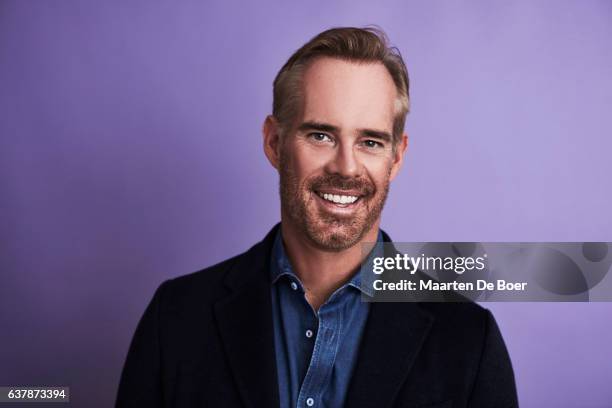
column 244, row 320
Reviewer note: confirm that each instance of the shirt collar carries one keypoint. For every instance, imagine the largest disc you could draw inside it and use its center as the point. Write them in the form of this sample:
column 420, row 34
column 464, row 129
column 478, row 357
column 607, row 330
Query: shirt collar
column 362, row 280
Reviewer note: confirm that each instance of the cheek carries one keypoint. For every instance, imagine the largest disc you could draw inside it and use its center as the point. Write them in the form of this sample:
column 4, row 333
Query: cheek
column 378, row 169
column 307, row 160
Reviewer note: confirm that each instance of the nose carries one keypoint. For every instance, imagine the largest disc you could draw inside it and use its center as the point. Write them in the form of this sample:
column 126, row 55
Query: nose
column 344, row 162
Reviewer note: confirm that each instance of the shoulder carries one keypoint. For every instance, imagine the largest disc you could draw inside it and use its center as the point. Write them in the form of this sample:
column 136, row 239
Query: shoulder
column 467, row 317
column 457, row 315
column 214, row 282
column 193, row 291
column 201, row 282
column 463, row 328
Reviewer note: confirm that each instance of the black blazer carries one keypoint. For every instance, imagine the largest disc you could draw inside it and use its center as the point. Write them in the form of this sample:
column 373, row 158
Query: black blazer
column 206, row 340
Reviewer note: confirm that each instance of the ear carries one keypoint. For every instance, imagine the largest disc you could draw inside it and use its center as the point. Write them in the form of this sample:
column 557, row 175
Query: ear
column 271, row 140
column 398, row 156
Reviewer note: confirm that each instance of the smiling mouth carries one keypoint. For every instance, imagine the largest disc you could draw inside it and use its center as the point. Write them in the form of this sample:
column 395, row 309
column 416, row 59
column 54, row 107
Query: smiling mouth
column 339, row 199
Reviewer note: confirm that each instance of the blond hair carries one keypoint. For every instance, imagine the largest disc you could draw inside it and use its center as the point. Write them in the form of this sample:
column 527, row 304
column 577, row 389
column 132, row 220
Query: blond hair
column 368, row 44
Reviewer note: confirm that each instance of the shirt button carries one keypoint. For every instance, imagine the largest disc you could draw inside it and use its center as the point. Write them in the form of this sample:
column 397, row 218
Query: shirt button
column 309, row 335
column 310, row 402
column 293, row 285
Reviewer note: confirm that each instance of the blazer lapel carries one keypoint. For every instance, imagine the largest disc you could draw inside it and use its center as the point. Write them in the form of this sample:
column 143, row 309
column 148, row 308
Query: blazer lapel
column 392, row 339
column 244, row 319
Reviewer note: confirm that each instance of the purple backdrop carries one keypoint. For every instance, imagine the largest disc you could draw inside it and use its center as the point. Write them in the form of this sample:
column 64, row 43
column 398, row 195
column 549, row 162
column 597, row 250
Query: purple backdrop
column 130, row 153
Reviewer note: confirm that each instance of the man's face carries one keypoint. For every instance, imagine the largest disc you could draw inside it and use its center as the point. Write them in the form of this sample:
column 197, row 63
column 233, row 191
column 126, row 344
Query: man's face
column 337, row 160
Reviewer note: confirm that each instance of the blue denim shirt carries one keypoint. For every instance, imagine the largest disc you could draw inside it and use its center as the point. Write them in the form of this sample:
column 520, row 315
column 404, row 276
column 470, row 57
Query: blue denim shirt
column 315, row 352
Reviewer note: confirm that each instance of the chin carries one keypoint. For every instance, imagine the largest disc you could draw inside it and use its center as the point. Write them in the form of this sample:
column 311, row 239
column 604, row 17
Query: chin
column 335, row 238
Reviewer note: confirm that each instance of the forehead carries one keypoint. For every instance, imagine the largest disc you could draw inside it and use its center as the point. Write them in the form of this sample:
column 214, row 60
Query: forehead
column 349, row 94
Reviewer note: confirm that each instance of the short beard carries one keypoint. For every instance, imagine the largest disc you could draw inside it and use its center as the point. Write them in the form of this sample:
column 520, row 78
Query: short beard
column 325, row 231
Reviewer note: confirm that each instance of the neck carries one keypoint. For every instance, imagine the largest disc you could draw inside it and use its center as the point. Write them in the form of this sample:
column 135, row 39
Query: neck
column 320, row 271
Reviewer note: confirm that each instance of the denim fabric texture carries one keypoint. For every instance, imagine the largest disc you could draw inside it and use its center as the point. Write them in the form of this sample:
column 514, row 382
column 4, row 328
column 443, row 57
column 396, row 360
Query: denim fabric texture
column 316, row 352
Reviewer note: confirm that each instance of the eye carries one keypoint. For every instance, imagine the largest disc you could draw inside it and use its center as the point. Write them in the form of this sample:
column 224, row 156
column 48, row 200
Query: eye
column 373, row 144
column 319, row 137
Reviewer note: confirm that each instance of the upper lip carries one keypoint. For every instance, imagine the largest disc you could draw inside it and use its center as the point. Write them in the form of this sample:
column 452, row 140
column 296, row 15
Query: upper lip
column 333, row 191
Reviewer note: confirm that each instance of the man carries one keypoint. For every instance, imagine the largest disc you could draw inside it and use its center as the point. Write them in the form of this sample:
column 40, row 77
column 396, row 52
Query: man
column 283, row 324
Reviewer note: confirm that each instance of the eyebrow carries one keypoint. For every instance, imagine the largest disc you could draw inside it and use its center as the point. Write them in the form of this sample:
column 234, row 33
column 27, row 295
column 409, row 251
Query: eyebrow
column 321, row 127
column 325, row 127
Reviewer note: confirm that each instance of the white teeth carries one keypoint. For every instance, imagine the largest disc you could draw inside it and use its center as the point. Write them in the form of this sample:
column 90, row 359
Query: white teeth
column 340, row 199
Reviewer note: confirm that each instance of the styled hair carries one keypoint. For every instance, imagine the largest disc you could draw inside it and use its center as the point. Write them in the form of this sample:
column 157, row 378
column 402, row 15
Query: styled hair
column 368, row 44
